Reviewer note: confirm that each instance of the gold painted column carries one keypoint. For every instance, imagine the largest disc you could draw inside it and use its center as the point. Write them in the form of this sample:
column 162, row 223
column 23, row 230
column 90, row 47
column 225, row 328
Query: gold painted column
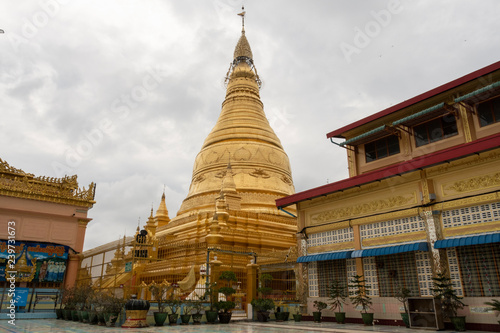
column 252, row 273
column 215, row 270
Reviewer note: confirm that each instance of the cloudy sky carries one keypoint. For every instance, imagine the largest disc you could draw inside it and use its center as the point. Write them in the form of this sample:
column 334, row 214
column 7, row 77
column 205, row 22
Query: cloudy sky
column 123, row 93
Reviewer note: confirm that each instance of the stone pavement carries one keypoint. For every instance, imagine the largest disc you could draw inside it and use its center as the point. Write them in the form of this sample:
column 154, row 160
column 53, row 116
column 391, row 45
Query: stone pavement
column 60, row 326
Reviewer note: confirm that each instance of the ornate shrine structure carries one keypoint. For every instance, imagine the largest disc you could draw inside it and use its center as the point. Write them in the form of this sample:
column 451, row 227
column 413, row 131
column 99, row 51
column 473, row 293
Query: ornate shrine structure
column 45, row 219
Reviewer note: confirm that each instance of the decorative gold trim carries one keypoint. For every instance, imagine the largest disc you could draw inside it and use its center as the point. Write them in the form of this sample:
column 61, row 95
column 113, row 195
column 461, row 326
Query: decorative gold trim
column 408, row 237
column 473, row 184
column 330, row 247
column 472, row 229
column 471, row 161
column 472, row 201
column 363, row 208
column 19, row 184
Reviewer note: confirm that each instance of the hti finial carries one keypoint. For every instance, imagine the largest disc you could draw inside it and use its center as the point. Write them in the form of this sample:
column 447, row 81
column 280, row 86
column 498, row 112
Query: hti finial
column 242, row 14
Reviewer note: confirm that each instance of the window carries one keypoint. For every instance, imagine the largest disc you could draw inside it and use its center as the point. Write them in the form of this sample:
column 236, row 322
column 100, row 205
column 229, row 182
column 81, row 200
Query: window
column 328, row 271
column 479, row 269
column 397, row 271
column 489, row 112
column 435, row 130
column 382, row 148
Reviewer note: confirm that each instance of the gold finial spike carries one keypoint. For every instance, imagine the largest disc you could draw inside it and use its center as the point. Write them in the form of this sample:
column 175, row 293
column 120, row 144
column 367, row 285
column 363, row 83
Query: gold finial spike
column 242, row 14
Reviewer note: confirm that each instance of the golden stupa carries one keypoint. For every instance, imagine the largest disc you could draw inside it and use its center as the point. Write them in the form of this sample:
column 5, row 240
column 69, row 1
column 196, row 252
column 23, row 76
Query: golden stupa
column 230, row 210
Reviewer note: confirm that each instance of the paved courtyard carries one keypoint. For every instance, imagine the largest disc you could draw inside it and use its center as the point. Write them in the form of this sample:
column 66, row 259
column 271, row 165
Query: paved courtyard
column 54, row 325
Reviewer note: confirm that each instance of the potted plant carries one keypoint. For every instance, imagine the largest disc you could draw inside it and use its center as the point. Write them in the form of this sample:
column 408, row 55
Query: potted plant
column 173, row 305
column 297, row 316
column 96, row 305
column 159, row 292
column 495, row 307
column 319, row 307
column 281, row 315
column 402, row 295
column 262, row 304
column 113, row 305
column 450, row 301
column 360, row 298
column 338, row 297
column 186, row 312
column 197, row 315
column 85, row 293
column 213, row 296
column 68, row 303
column 225, row 307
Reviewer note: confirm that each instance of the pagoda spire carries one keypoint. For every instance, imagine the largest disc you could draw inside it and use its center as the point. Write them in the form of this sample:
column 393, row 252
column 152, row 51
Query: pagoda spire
column 162, row 212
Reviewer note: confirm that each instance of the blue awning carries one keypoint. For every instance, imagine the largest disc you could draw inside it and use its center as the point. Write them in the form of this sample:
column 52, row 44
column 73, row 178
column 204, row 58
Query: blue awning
column 383, row 251
column 325, row 256
column 465, row 241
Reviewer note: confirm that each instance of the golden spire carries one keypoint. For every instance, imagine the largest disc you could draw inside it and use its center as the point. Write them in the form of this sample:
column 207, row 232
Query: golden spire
column 242, row 14
column 151, row 224
column 242, row 49
column 228, row 185
column 162, row 212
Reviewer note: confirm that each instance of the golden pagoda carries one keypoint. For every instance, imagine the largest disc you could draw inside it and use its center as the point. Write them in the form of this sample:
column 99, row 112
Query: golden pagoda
column 229, row 217
column 240, row 171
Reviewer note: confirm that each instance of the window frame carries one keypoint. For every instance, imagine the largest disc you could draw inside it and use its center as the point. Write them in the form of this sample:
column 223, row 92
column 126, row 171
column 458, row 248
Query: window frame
column 492, row 112
column 379, row 148
column 429, row 130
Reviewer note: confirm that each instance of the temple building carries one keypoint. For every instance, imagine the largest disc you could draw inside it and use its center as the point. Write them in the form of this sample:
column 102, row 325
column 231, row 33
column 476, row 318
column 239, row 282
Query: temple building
column 422, row 198
column 42, row 229
column 229, row 217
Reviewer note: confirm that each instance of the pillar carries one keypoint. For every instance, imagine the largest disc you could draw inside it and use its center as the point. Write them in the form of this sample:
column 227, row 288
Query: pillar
column 74, row 261
column 433, row 226
column 215, row 271
column 252, row 276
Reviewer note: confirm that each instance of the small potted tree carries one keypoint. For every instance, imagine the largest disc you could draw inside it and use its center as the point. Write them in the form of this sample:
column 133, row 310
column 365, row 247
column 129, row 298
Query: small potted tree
column 197, row 315
column 338, row 297
column 226, row 306
column 68, row 303
column 297, row 316
column 263, row 304
column 495, row 307
column 402, row 295
column 159, row 293
column 173, row 305
column 212, row 294
column 450, row 301
column 319, row 306
column 360, row 298
column 113, row 305
column 187, row 307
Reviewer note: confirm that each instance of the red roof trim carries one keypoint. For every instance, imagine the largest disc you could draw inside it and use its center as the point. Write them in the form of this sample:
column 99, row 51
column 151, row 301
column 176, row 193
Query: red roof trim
column 447, row 86
column 442, row 156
